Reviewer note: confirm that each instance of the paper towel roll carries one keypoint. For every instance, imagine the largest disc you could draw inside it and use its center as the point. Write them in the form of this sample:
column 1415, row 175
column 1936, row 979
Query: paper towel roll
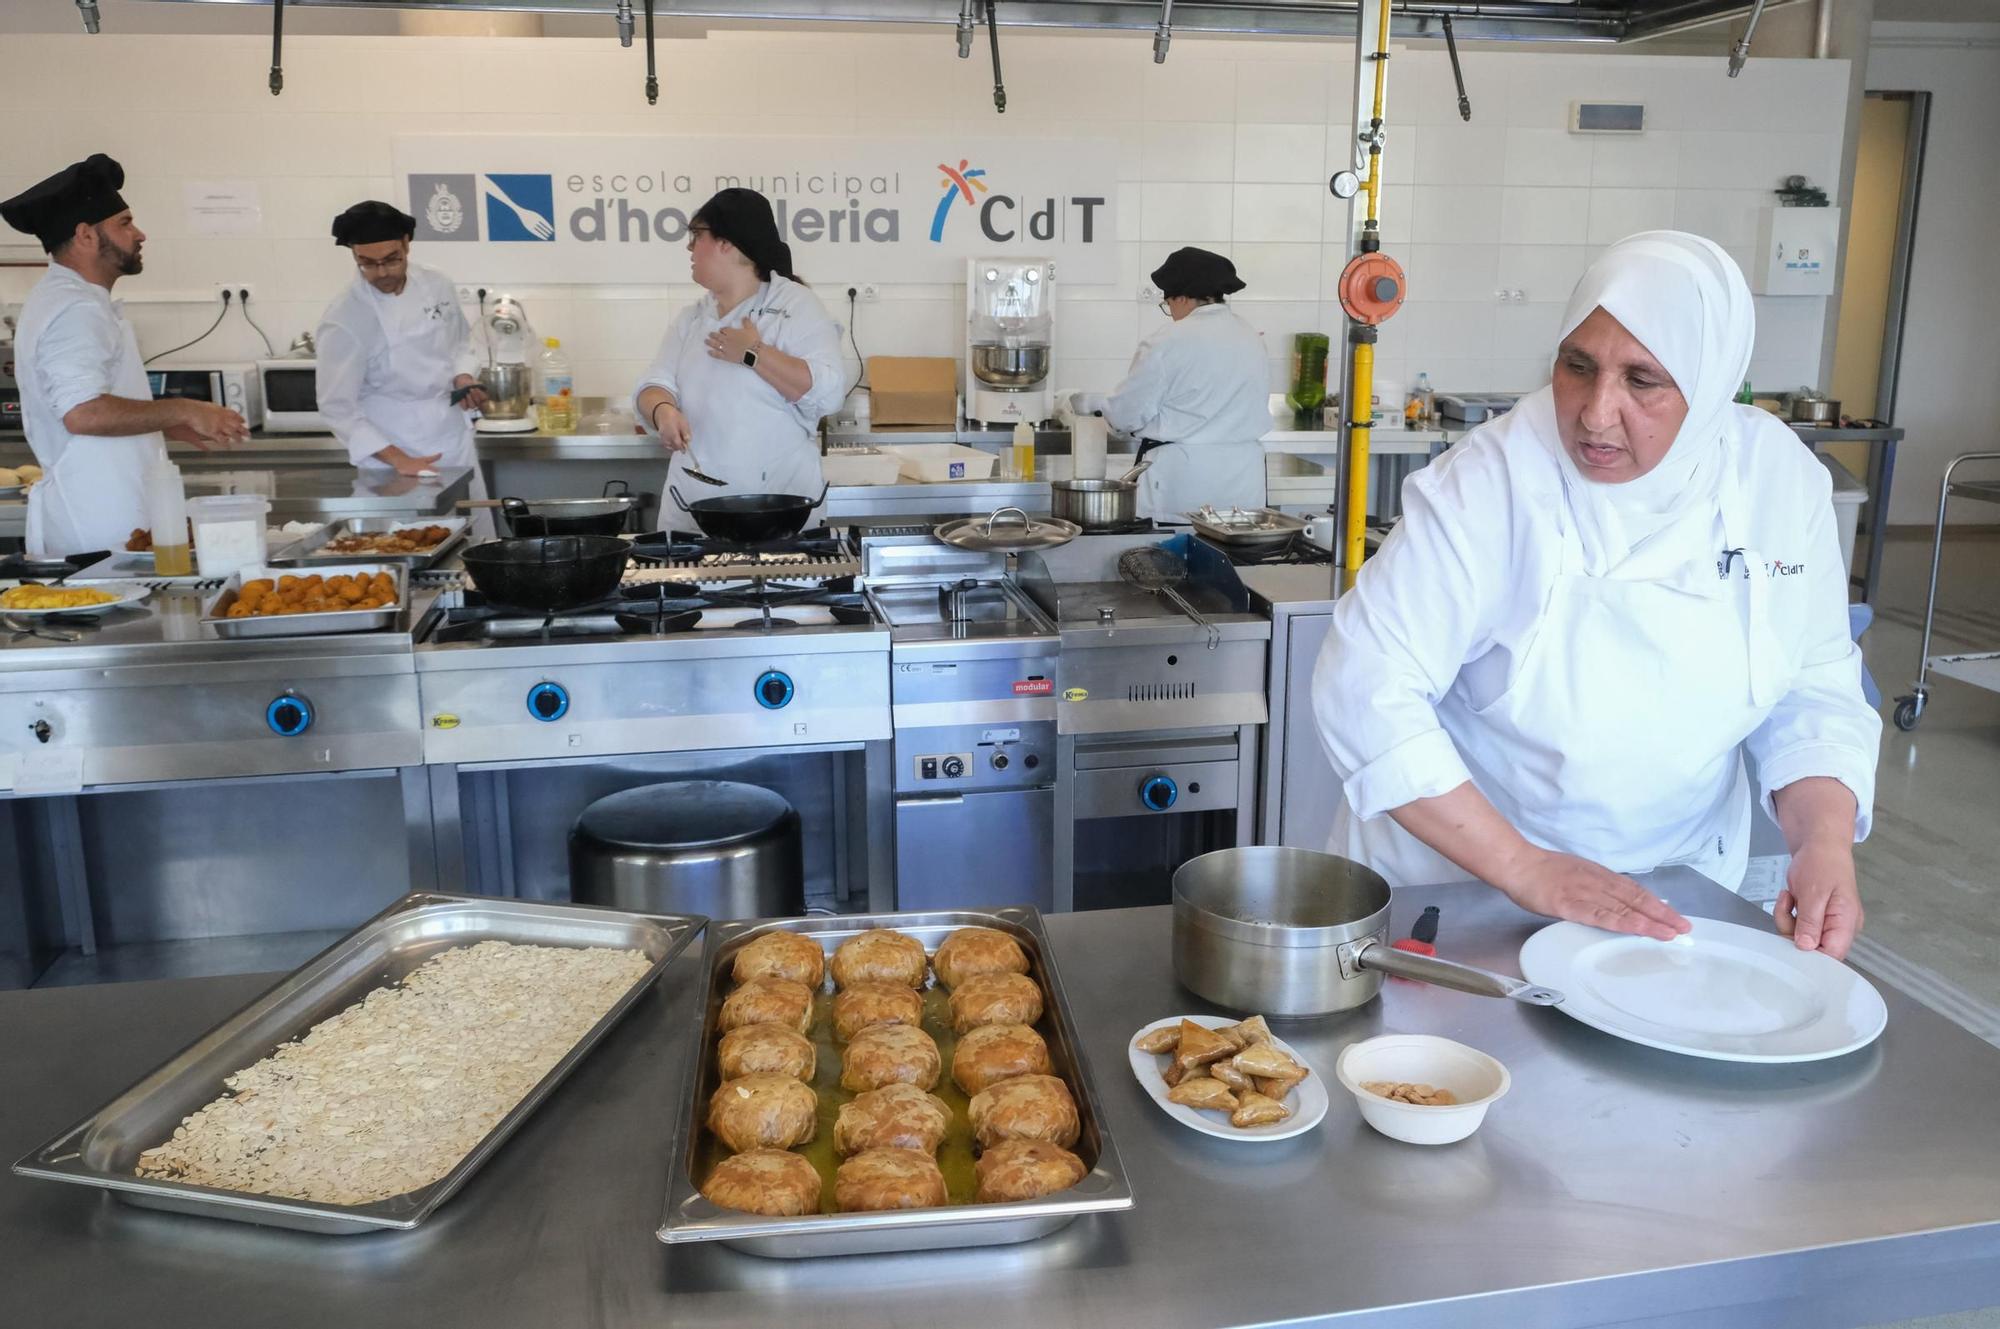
column 1088, row 439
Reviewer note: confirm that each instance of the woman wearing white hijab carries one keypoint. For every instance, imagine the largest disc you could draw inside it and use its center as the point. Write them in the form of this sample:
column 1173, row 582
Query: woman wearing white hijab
column 1592, row 608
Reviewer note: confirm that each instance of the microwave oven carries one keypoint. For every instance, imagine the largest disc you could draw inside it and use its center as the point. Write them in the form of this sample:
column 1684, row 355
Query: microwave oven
column 291, row 396
column 234, row 386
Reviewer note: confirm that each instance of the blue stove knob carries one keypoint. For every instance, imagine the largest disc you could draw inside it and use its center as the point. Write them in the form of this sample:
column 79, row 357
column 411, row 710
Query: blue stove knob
column 774, row 690
column 1159, row 792
column 289, row 716
column 548, row 702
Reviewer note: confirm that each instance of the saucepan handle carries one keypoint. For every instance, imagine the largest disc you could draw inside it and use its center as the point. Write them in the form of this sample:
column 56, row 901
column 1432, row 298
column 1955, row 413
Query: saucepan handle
column 1374, row 955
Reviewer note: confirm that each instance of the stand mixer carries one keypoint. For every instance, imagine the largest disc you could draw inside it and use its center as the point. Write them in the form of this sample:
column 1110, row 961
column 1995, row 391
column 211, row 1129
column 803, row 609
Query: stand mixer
column 1009, row 340
column 509, row 375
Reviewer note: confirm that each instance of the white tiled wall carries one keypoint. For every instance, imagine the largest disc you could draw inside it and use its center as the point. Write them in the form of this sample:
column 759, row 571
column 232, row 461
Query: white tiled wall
column 1227, row 145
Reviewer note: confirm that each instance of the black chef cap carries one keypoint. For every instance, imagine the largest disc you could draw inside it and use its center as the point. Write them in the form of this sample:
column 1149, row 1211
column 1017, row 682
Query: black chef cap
column 371, row 222
column 743, row 217
column 1197, row 273
column 83, row 192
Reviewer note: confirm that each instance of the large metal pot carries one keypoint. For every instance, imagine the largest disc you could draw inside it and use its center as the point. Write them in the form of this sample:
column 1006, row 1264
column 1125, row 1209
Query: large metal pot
column 1281, row 931
column 720, row 848
column 1010, row 366
column 1094, row 504
column 1810, row 408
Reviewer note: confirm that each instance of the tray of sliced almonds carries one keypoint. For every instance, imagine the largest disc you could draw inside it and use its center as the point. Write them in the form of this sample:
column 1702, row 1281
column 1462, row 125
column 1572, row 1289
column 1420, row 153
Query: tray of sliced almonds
column 1229, row 1078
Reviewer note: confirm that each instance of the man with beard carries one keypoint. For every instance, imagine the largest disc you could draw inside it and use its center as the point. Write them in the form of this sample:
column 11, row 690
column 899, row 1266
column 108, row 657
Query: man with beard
column 91, row 419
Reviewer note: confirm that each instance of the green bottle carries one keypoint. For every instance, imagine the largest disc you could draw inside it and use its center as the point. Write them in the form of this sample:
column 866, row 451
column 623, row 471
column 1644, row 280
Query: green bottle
column 1309, row 352
column 1744, row 395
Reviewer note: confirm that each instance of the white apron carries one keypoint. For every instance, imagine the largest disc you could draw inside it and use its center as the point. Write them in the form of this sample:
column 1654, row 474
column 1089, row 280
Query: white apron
column 1619, row 739
column 738, row 438
column 94, row 496
column 1184, row 476
column 408, row 394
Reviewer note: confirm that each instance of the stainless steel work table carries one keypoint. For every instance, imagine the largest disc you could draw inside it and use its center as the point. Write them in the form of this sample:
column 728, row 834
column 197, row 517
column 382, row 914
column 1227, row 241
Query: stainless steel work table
column 1615, row 1184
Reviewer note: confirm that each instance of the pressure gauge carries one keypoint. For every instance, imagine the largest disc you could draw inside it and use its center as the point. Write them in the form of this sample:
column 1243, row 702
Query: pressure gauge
column 1345, row 184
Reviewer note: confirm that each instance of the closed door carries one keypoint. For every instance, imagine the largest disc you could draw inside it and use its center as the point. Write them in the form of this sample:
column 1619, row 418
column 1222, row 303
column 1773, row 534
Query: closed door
column 976, row 850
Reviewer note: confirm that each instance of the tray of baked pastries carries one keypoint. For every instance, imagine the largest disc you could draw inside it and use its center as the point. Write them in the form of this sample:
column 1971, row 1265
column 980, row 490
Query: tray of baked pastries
column 886, row 1082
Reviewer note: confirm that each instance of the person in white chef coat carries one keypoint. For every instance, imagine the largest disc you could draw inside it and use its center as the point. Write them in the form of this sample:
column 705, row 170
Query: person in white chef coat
column 1197, row 395
column 90, row 416
column 396, row 369
column 746, row 372
column 1592, row 610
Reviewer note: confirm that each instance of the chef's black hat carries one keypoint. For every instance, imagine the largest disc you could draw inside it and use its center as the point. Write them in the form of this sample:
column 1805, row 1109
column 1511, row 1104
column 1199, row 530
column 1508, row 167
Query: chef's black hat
column 84, row 192
column 372, row 222
column 744, row 218
column 1197, row 273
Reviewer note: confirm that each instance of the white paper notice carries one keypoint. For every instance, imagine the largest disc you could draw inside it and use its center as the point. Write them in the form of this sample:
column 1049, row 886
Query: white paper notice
column 223, row 207
column 49, row 771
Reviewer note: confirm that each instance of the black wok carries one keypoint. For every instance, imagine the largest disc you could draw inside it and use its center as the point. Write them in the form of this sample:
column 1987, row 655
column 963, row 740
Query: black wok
column 528, row 518
column 750, row 519
column 547, row 574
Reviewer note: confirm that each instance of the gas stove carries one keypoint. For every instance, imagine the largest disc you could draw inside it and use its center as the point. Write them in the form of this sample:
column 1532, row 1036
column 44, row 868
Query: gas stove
column 818, row 555
column 1298, row 550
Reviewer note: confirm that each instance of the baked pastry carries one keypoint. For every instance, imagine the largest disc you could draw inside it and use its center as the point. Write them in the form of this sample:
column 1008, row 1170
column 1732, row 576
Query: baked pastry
column 1025, row 1170
column 1252, row 1030
column 1029, row 1107
column 1254, row 1109
column 785, row 955
column 1164, row 1039
column 890, row 1054
column 880, row 956
column 862, row 1004
column 768, row 1001
column 763, row 1112
column 1272, row 1072
column 765, row 1181
column 1203, row 1092
column 971, row 951
column 888, row 1179
column 997, row 1052
column 766, row 1049
column 1198, row 1047
column 1226, row 1072
column 896, row 1116
column 995, row 999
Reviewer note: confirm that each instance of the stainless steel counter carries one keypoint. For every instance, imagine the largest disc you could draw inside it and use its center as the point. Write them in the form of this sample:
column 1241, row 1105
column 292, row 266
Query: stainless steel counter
column 1615, row 1184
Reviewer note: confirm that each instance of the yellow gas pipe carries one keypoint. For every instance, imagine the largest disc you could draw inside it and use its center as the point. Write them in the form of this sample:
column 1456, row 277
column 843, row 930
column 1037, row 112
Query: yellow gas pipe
column 1362, row 298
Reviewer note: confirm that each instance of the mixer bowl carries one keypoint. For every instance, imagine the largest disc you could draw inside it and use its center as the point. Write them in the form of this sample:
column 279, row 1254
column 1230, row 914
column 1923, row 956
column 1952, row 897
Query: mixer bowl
column 1010, row 366
column 508, row 390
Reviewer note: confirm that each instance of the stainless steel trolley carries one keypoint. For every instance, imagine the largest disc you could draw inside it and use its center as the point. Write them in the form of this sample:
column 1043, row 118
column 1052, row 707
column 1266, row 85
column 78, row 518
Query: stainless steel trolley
column 1980, row 668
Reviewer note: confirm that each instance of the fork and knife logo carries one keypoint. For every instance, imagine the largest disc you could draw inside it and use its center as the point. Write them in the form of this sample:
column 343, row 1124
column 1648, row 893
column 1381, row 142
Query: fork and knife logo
column 519, row 207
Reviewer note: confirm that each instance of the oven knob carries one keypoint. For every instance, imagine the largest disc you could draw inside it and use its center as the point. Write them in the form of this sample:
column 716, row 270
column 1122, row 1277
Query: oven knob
column 548, row 702
column 774, row 690
column 1159, row 792
column 289, row 716
column 952, row 767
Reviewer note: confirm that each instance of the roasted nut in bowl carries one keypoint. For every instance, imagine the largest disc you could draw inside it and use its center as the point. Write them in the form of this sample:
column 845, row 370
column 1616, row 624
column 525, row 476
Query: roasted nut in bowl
column 1474, row 1079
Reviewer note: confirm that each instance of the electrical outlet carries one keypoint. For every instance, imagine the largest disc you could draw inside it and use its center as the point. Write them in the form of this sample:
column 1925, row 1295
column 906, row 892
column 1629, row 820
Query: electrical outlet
column 871, row 293
column 235, row 289
column 468, row 292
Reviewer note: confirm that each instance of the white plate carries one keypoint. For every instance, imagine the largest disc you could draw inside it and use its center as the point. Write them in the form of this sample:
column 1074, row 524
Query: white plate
column 128, row 593
column 1723, row 991
column 1307, row 1101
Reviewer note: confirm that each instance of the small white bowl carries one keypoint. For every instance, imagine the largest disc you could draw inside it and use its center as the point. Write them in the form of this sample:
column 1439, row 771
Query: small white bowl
column 1476, row 1079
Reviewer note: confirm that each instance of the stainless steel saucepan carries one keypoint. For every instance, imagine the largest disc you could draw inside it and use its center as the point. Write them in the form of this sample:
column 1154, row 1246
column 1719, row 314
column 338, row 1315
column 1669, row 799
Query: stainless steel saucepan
column 1290, row 932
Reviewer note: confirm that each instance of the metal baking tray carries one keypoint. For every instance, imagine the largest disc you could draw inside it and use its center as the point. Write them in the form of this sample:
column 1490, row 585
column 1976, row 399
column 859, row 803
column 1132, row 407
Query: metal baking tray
column 306, row 625
column 103, row 1149
column 692, row 1217
column 1246, row 527
column 311, row 551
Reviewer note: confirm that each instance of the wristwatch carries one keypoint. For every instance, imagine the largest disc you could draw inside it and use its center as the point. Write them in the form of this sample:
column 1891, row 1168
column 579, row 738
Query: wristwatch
column 750, row 357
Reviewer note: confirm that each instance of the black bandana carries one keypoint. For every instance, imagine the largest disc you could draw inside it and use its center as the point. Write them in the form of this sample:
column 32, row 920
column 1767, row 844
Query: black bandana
column 743, row 217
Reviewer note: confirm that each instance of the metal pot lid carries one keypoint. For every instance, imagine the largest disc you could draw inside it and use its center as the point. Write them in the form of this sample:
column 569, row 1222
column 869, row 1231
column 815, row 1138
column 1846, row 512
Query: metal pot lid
column 1008, row 531
column 684, row 814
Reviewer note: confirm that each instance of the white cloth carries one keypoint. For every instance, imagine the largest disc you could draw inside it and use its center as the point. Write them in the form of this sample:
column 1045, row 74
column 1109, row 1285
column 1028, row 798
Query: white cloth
column 744, row 430
column 385, row 369
column 1602, row 694
column 73, row 346
column 1200, row 385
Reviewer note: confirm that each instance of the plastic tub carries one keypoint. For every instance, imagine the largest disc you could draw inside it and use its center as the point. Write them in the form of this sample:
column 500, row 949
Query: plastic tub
column 1476, row 1079
column 229, row 533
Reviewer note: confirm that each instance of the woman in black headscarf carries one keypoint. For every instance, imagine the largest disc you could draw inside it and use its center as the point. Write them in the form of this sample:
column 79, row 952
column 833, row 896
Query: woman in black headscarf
column 747, row 371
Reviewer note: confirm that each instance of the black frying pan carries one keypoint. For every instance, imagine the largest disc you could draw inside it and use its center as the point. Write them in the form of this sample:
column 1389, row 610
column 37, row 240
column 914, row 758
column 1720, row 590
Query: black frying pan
column 750, row 519
column 547, row 574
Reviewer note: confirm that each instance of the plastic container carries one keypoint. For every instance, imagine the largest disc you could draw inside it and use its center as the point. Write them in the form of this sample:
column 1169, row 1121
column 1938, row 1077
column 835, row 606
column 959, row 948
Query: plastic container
column 1090, row 439
column 1309, row 354
column 229, row 533
column 559, row 408
column 860, row 466
column 1426, row 401
column 1021, row 465
column 167, row 518
column 1475, row 1079
column 935, row 463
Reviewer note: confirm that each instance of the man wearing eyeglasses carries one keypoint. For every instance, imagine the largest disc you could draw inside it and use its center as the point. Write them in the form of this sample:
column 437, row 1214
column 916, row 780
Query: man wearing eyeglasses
column 395, row 351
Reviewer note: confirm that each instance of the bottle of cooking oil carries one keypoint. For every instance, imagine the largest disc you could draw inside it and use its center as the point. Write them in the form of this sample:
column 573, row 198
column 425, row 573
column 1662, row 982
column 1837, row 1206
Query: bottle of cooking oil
column 1023, row 467
column 559, row 413
column 166, row 510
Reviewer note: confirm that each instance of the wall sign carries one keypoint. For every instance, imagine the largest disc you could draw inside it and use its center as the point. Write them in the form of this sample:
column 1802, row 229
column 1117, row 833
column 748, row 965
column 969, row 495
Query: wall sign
column 590, row 208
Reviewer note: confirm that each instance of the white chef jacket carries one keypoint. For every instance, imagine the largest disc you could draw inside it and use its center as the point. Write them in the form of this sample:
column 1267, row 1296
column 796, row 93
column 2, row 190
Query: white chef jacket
column 1479, row 646
column 744, row 430
column 1200, row 385
column 74, row 345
